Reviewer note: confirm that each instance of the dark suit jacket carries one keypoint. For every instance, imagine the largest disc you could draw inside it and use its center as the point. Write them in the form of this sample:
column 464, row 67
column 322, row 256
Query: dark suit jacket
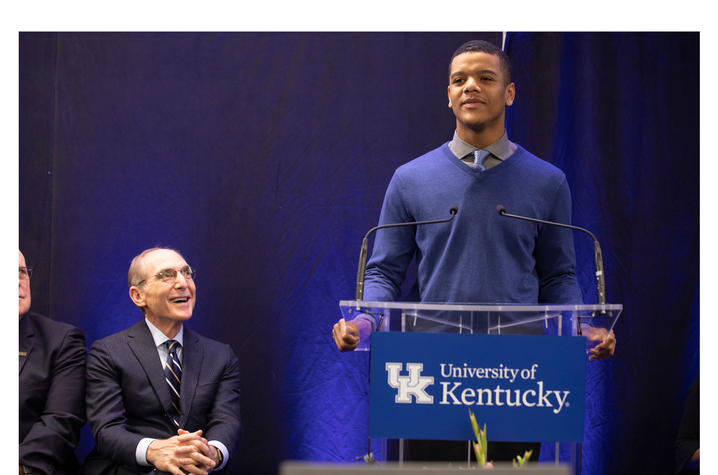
column 688, row 440
column 52, row 393
column 128, row 398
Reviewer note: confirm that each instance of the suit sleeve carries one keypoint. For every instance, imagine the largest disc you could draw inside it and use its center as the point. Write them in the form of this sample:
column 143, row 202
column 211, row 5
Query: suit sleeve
column 224, row 418
column 52, row 440
column 688, row 440
column 555, row 255
column 105, row 408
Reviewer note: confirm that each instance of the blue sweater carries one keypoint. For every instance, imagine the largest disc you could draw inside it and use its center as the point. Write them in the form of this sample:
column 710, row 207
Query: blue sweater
column 480, row 257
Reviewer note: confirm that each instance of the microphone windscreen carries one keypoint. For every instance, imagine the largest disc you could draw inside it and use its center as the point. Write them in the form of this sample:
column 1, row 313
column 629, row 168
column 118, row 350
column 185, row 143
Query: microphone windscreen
column 454, row 209
column 500, row 209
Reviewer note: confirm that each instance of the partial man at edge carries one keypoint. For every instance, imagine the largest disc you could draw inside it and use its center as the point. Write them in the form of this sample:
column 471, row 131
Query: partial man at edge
column 52, row 387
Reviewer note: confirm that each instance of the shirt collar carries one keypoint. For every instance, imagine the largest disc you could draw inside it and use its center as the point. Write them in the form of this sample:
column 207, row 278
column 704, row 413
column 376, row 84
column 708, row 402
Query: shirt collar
column 501, row 149
column 160, row 337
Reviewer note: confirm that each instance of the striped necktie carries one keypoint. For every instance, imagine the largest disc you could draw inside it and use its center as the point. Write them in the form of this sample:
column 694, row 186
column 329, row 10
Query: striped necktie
column 173, row 376
column 479, row 157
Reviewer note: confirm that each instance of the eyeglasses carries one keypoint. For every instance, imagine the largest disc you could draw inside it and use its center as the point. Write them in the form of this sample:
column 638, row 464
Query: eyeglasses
column 25, row 272
column 169, row 276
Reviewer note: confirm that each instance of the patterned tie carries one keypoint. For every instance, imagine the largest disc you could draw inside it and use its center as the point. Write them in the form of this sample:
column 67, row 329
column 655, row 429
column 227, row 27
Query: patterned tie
column 173, row 376
column 479, row 156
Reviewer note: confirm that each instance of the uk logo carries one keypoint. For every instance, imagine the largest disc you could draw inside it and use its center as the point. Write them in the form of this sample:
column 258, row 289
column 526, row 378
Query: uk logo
column 412, row 385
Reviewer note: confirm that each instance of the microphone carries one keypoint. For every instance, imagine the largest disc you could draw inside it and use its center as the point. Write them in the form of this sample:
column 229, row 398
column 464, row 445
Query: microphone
column 600, row 280
column 364, row 245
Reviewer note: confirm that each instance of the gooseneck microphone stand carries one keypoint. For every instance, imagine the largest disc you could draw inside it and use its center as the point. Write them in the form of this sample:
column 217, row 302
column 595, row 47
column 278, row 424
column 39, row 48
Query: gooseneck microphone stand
column 361, row 271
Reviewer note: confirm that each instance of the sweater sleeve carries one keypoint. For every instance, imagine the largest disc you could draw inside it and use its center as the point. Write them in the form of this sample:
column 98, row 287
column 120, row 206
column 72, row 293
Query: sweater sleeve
column 555, row 255
column 393, row 248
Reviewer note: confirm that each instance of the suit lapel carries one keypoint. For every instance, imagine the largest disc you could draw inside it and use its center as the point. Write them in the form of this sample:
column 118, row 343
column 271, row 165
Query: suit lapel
column 143, row 346
column 27, row 340
column 192, row 355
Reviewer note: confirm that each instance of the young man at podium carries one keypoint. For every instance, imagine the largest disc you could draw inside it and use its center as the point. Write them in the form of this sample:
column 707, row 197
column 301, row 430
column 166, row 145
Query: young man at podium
column 480, row 257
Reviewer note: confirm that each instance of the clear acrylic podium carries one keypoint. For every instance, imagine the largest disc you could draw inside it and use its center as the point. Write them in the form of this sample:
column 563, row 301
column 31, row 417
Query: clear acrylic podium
column 493, row 319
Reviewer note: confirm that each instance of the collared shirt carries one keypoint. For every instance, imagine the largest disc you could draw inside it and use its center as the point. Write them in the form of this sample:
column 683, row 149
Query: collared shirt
column 162, row 351
column 499, row 150
column 160, row 339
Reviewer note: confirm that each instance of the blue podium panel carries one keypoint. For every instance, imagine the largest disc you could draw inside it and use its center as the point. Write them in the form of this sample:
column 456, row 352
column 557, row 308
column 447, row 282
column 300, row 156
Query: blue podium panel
column 524, row 387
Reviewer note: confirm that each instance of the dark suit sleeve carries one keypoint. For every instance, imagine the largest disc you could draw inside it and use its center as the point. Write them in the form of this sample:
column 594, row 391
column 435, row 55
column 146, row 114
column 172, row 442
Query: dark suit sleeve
column 224, row 420
column 105, row 408
column 688, row 440
column 52, row 440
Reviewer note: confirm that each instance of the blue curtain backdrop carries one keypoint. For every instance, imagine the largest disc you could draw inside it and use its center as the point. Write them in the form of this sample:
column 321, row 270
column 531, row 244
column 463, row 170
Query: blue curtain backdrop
column 264, row 157
column 619, row 114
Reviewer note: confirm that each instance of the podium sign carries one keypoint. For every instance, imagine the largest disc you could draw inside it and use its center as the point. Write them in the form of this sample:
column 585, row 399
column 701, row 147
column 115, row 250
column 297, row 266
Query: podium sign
column 524, row 387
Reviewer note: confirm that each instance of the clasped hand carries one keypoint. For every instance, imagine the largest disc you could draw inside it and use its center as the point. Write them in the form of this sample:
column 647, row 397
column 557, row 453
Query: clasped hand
column 346, row 335
column 186, row 451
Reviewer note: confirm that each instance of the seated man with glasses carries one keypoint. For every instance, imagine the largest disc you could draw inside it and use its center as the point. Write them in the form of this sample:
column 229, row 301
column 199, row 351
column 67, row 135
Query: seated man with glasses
column 160, row 397
column 52, row 387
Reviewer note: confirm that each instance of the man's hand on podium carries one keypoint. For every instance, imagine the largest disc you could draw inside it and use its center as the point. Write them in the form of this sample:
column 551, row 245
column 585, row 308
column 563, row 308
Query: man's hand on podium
column 606, row 348
column 346, row 335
